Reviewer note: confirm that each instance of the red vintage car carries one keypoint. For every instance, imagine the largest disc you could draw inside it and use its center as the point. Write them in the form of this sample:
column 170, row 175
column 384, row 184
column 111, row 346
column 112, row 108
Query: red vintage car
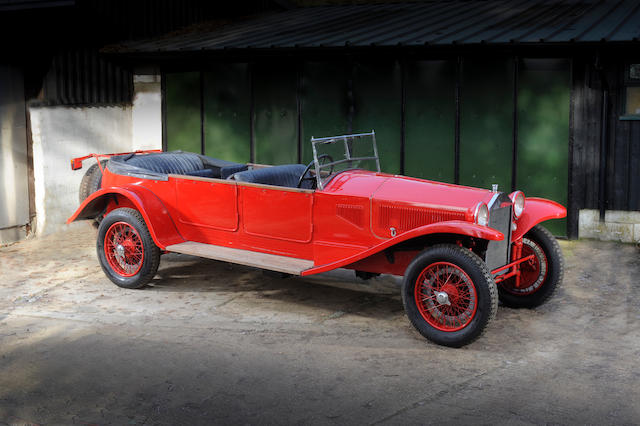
column 460, row 249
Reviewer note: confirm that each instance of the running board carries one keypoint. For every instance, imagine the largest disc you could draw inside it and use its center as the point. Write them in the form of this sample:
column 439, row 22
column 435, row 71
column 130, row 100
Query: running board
column 273, row 262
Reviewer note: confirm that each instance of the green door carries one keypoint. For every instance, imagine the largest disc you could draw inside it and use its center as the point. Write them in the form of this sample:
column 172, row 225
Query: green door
column 227, row 106
column 486, row 123
column 183, row 111
column 430, row 120
column 325, row 103
column 276, row 113
column 543, row 132
column 378, row 106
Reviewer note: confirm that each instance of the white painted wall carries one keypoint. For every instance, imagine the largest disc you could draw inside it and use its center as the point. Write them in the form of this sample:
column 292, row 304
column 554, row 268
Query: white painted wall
column 147, row 113
column 14, row 186
column 59, row 134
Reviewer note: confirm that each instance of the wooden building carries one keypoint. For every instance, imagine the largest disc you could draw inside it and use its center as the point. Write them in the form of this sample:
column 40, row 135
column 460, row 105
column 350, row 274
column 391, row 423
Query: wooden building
column 543, row 96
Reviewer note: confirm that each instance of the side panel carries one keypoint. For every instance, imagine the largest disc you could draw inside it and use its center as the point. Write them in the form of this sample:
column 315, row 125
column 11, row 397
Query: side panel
column 379, row 263
column 341, row 226
column 451, row 227
column 276, row 213
column 206, row 203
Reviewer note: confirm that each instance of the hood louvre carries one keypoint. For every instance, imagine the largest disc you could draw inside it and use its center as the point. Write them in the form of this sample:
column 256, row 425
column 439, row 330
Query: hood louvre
column 404, row 218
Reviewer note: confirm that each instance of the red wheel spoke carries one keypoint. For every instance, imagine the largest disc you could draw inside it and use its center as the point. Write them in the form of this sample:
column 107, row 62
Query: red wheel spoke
column 532, row 272
column 124, row 249
column 445, row 277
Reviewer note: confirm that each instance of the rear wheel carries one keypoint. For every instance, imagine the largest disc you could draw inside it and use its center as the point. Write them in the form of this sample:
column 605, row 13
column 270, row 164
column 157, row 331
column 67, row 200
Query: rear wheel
column 449, row 295
column 126, row 251
column 540, row 276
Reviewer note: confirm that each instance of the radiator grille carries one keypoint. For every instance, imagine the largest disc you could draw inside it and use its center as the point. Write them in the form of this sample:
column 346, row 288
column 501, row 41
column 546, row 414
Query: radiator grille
column 498, row 252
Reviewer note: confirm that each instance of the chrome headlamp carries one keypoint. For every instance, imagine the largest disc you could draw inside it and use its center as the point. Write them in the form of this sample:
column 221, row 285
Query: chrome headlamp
column 517, row 198
column 481, row 214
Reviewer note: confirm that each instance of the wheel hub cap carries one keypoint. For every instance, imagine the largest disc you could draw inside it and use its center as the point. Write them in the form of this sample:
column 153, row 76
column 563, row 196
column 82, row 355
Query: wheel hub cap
column 442, row 298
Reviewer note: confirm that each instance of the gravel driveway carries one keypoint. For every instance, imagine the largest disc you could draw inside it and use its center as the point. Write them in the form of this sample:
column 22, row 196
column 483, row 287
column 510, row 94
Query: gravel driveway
column 210, row 342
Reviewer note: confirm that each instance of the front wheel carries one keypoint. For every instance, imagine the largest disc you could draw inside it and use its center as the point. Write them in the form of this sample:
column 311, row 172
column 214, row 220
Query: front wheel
column 540, row 276
column 126, row 251
column 449, row 295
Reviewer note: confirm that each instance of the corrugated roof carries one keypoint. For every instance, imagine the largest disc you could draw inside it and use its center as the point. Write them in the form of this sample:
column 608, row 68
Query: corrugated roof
column 6, row 5
column 417, row 24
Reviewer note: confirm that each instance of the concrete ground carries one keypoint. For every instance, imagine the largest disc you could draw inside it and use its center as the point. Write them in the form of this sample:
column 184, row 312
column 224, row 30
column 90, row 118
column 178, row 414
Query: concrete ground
column 213, row 343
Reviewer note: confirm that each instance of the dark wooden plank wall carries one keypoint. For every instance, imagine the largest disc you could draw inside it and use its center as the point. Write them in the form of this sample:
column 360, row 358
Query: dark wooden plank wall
column 586, row 110
column 623, row 179
column 622, row 189
column 634, row 166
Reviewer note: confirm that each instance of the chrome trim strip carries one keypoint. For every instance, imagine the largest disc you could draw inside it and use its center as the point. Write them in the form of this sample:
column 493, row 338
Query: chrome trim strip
column 493, row 200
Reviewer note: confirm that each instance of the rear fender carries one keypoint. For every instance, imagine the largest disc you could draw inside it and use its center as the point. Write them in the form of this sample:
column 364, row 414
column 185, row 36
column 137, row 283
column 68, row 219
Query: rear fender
column 453, row 227
column 537, row 210
column 155, row 214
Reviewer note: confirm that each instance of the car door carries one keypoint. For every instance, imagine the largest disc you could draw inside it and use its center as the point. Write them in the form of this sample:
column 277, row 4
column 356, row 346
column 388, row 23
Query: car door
column 276, row 212
column 206, row 204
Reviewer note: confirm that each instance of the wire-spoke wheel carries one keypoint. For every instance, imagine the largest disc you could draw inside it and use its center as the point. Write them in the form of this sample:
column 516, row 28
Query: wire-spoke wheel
column 540, row 276
column 446, row 296
column 532, row 272
column 126, row 251
column 123, row 249
column 449, row 295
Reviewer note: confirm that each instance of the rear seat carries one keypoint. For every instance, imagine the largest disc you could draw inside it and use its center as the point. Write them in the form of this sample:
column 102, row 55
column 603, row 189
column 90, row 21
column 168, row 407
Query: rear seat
column 180, row 163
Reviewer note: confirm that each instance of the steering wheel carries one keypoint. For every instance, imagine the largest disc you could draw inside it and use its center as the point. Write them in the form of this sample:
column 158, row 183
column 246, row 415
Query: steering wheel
column 308, row 168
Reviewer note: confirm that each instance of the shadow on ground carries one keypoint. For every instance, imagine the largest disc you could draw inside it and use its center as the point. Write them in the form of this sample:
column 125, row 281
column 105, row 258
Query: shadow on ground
column 215, row 343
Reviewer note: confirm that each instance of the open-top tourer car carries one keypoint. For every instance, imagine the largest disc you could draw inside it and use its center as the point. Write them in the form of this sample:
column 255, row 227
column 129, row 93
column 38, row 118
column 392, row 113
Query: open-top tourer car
column 460, row 249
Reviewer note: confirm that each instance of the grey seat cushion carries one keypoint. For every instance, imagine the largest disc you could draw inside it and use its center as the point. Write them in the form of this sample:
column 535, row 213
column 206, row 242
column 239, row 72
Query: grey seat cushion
column 286, row 175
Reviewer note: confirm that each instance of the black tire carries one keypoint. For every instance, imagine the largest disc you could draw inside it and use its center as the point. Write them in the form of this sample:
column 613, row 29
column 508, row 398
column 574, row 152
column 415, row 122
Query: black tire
column 91, row 181
column 466, row 272
column 117, row 261
column 546, row 279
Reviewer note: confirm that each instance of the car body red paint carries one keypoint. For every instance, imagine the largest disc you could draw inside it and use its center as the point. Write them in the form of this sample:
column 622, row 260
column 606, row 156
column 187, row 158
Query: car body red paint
column 334, row 227
column 368, row 221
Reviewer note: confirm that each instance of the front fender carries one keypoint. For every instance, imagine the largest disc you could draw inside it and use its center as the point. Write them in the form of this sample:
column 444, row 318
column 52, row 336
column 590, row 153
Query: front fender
column 537, row 210
column 458, row 227
column 155, row 214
